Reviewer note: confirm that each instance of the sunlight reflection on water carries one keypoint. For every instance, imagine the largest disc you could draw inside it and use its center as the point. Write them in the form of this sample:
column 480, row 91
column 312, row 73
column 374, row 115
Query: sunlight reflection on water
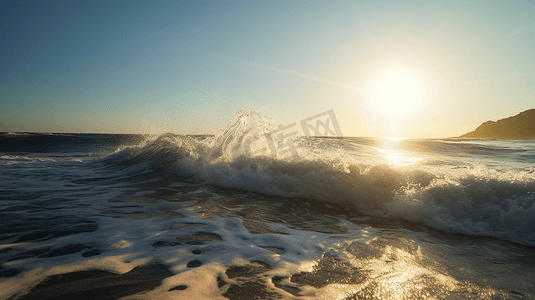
column 391, row 152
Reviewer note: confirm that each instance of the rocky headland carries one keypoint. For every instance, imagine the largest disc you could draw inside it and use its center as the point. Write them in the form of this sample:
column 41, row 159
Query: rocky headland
column 518, row 127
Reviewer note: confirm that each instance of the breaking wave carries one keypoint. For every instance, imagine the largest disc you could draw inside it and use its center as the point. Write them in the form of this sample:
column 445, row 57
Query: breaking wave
column 433, row 183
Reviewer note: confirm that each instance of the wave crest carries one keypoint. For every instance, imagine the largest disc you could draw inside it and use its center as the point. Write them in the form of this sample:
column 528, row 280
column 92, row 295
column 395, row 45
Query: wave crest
column 468, row 199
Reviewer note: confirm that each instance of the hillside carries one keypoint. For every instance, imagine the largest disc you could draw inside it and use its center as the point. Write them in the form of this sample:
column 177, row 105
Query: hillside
column 519, row 127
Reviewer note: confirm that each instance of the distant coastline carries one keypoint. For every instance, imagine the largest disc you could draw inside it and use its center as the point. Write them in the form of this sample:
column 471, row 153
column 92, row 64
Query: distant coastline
column 518, row 127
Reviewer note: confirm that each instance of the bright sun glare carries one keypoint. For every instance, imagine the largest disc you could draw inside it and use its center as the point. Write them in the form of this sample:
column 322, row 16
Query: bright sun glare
column 396, row 93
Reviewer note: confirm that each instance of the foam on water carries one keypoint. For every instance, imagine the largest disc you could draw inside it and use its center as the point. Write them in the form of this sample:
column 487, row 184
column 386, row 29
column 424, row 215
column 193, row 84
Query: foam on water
column 126, row 243
column 292, row 224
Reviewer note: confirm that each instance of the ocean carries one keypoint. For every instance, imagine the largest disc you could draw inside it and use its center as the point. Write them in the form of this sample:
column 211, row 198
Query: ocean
column 102, row 216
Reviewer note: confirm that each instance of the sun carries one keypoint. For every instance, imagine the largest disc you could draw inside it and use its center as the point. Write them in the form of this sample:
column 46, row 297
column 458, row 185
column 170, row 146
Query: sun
column 396, row 92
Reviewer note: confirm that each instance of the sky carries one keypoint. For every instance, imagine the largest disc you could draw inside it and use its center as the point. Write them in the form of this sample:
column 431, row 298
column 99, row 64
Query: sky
column 187, row 67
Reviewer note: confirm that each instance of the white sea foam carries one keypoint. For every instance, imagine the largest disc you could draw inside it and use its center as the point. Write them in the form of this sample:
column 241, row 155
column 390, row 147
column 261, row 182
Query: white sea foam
column 157, row 193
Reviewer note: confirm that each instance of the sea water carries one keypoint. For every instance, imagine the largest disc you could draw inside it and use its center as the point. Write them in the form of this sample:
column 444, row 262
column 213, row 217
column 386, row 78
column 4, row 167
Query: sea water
column 218, row 217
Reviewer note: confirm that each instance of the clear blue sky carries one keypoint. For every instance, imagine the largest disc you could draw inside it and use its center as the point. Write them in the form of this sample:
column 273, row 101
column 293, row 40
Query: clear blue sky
column 187, row 66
